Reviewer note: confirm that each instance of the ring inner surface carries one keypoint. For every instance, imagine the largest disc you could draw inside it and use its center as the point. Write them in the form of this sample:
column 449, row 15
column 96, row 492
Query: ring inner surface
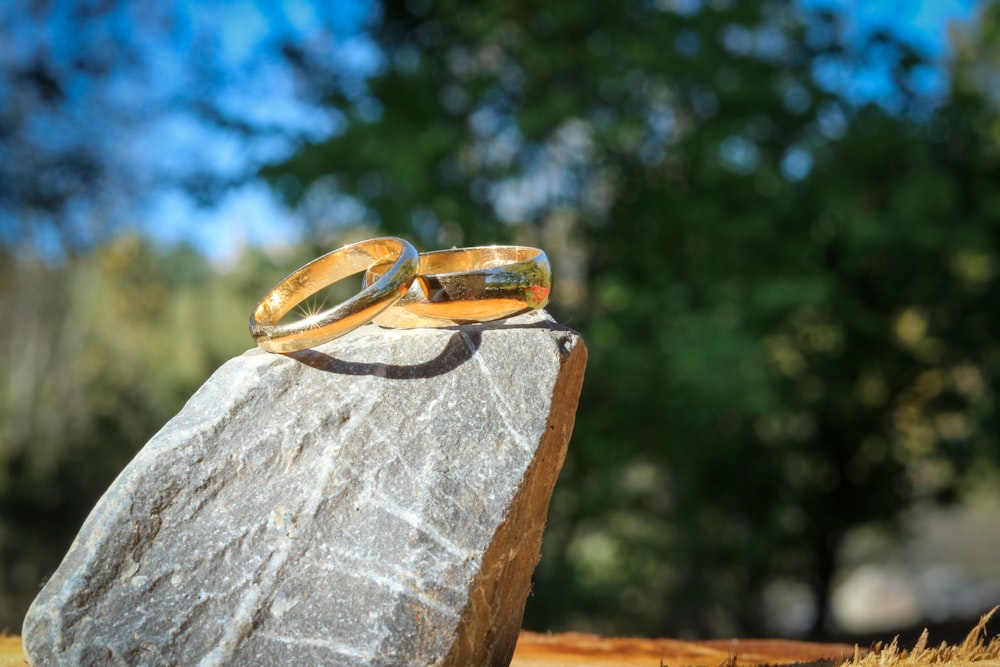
column 474, row 259
column 322, row 273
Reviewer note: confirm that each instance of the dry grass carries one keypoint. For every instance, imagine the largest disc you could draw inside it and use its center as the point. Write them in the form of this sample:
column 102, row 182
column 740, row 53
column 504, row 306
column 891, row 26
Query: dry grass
column 975, row 651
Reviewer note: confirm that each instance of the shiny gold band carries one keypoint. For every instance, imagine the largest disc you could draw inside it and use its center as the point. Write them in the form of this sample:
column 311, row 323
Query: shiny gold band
column 469, row 285
column 399, row 260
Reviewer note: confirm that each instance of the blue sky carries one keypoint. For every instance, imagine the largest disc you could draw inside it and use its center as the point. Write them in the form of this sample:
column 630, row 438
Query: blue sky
column 133, row 83
column 258, row 90
column 921, row 22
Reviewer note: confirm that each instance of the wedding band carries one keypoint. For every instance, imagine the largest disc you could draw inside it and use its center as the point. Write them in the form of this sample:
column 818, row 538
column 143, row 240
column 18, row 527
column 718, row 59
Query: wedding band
column 399, row 259
column 469, row 285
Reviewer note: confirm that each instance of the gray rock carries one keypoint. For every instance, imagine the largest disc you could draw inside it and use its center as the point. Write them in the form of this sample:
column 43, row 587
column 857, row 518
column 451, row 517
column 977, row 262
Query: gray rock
column 376, row 501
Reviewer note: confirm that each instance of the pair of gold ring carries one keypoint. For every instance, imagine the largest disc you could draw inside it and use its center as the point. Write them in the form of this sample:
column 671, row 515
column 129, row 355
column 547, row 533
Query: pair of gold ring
column 403, row 290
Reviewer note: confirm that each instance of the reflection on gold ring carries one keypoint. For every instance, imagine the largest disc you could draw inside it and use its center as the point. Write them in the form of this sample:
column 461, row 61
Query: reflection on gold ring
column 398, row 260
column 469, row 285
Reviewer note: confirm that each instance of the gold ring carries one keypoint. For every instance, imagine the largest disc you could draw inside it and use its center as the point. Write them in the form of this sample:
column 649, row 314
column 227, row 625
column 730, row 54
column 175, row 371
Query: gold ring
column 469, row 285
column 400, row 260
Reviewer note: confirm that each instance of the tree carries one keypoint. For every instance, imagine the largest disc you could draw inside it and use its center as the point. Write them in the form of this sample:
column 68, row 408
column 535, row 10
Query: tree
column 788, row 298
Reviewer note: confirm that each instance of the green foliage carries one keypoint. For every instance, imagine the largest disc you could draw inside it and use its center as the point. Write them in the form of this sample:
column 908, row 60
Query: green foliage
column 789, row 300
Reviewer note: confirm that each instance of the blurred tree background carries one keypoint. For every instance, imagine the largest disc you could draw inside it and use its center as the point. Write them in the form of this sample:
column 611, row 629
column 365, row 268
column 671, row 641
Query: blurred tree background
column 779, row 241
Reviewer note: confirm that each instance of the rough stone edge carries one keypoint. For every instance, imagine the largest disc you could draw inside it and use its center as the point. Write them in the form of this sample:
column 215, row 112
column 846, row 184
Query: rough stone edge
column 500, row 608
column 103, row 527
column 500, row 589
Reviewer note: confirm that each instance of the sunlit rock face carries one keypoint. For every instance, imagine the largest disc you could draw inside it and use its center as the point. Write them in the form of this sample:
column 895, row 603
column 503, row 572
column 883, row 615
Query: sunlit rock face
column 379, row 500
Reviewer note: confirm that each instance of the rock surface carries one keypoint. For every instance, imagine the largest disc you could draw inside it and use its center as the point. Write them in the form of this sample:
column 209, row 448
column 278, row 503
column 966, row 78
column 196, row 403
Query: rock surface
column 376, row 501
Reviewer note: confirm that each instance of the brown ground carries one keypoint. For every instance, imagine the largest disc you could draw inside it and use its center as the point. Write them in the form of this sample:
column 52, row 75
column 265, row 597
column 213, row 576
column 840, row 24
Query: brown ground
column 10, row 652
column 582, row 650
